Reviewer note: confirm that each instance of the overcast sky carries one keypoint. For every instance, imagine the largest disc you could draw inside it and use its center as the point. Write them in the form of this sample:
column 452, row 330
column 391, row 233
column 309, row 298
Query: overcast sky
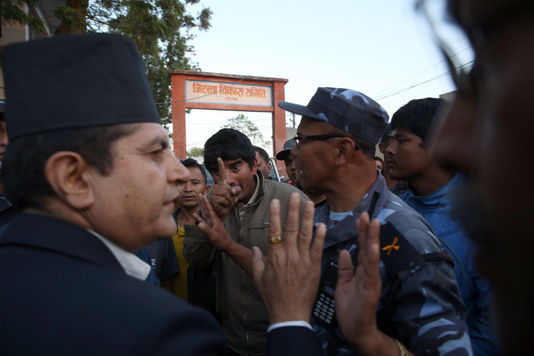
column 379, row 47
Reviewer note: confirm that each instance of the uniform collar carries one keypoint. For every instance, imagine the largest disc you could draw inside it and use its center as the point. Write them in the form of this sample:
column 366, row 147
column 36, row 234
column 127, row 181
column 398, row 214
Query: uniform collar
column 375, row 199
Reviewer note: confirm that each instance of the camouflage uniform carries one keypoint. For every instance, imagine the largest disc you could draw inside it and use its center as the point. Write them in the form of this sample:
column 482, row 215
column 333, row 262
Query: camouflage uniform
column 420, row 304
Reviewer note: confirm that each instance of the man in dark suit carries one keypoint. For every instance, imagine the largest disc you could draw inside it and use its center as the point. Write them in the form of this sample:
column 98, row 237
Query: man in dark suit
column 90, row 166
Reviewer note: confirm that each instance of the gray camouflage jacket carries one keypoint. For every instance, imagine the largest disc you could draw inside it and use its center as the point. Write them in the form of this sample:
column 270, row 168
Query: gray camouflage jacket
column 420, row 304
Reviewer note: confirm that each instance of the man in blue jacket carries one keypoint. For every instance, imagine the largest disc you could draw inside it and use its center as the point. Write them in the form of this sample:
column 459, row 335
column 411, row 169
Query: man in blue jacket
column 429, row 193
column 418, row 308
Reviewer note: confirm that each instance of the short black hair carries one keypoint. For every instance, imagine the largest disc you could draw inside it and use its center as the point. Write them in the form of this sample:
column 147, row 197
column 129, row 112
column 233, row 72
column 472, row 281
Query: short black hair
column 25, row 183
column 229, row 144
column 192, row 163
column 262, row 153
column 418, row 116
column 387, row 133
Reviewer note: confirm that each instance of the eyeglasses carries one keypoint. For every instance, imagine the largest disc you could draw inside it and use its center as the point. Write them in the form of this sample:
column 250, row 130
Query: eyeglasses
column 452, row 42
column 300, row 138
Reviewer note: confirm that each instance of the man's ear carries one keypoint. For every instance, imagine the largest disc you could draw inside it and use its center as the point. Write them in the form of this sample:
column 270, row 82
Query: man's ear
column 207, row 189
column 345, row 150
column 254, row 166
column 69, row 176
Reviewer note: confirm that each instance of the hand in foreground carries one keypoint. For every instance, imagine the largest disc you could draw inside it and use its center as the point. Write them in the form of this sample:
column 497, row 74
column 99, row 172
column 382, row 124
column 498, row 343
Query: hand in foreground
column 223, row 196
column 211, row 224
column 358, row 293
column 288, row 278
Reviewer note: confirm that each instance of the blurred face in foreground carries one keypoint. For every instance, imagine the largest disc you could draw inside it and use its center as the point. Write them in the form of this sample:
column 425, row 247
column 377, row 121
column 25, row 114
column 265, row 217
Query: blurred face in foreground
column 486, row 134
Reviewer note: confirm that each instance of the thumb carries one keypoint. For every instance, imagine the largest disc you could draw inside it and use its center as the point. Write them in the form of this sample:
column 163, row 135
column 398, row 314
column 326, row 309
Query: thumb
column 202, row 226
column 236, row 190
column 345, row 272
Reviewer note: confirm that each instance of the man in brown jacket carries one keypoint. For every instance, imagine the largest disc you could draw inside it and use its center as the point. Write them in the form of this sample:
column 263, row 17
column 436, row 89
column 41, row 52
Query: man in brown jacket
column 241, row 198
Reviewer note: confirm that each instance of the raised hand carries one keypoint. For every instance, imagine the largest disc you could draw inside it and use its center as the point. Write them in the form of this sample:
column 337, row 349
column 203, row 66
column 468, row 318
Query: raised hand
column 211, row 224
column 288, row 277
column 223, row 196
column 358, row 293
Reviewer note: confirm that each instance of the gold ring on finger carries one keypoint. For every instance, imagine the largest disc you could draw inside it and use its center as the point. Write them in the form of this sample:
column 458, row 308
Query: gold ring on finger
column 275, row 239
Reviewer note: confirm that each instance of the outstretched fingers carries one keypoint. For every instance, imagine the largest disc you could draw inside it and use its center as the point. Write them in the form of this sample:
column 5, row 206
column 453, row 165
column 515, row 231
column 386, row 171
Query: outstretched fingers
column 316, row 251
column 289, row 277
column 292, row 222
column 345, row 269
column 306, row 229
column 205, row 219
column 358, row 294
column 369, row 245
column 275, row 229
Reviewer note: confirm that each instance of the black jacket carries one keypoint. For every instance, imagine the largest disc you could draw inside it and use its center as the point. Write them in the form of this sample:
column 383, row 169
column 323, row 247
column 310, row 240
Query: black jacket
column 63, row 292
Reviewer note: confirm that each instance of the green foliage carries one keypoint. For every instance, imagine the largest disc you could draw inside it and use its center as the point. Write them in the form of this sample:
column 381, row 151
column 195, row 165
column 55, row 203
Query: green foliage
column 73, row 17
column 195, row 152
column 161, row 29
column 245, row 125
column 12, row 11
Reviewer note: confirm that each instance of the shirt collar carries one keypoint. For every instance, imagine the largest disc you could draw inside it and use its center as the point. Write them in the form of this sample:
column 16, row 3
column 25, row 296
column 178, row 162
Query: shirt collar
column 241, row 207
column 133, row 265
column 255, row 194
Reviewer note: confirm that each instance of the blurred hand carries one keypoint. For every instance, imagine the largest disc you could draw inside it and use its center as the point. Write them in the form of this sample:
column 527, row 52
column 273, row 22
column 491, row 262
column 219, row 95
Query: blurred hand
column 223, row 196
column 357, row 293
column 288, row 277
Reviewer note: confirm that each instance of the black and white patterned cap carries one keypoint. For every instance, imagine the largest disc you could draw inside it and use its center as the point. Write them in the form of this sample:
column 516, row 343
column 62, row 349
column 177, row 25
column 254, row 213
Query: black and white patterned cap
column 345, row 109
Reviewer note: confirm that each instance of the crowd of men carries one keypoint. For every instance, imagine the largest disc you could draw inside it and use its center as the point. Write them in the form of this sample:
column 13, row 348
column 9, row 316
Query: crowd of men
column 420, row 252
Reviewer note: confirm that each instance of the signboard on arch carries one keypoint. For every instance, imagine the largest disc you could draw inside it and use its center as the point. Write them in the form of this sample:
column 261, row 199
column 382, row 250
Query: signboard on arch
column 211, row 92
column 217, row 91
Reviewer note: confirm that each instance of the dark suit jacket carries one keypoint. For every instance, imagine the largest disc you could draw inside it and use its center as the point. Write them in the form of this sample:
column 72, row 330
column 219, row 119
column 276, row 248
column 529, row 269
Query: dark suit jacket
column 62, row 292
column 293, row 341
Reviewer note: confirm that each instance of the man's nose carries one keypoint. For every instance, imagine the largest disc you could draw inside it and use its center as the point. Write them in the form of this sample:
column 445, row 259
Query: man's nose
column 391, row 148
column 188, row 187
column 230, row 177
